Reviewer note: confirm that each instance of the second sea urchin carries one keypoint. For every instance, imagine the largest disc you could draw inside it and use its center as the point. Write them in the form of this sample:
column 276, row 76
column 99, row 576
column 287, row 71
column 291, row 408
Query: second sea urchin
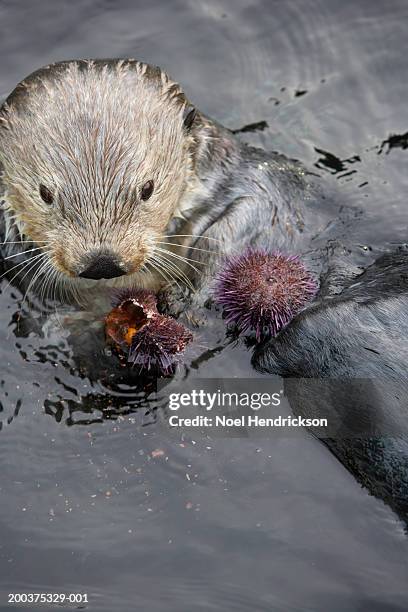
column 142, row 335
column 263, row 291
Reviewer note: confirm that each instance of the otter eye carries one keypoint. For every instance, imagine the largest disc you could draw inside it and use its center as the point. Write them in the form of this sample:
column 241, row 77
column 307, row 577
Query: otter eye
column 147, row 190
column 46, row 195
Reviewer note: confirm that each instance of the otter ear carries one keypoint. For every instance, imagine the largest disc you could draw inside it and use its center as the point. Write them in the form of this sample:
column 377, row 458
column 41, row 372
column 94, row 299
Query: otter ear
column 189, row 114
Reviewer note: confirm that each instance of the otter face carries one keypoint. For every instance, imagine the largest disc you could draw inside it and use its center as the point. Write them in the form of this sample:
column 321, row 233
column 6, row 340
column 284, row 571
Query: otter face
column 96, row 162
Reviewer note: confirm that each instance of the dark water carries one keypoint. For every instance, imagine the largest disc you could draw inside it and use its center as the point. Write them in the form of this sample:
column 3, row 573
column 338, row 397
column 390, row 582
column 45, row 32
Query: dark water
column 87, row 505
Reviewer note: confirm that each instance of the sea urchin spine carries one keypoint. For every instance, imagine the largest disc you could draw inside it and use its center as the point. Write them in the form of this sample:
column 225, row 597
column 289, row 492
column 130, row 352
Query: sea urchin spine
column 144, row 336
column 263, row 291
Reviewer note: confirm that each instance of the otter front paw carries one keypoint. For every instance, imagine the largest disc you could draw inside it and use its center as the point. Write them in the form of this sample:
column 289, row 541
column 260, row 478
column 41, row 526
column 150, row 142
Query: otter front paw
column 173, row 300
column 178, row 301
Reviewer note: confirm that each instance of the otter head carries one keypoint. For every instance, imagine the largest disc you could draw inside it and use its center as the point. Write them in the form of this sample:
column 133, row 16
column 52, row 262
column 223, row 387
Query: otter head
column 97, row 157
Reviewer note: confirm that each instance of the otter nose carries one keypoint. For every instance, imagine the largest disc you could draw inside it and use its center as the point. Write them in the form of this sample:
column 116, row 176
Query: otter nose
column 102, row 265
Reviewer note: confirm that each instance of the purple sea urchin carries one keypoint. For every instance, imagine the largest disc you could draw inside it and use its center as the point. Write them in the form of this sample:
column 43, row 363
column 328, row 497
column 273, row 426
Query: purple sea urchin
column 141, row 334
column 143, row 297
column 159, row 343
column 263, row 291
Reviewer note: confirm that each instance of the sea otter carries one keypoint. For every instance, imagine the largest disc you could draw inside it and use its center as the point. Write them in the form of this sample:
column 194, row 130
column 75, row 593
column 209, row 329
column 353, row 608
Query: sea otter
column 111, row 177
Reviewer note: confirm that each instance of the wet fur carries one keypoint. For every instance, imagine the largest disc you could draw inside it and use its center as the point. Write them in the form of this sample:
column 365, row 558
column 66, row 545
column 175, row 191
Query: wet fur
column 94, row 132
column 345, row 358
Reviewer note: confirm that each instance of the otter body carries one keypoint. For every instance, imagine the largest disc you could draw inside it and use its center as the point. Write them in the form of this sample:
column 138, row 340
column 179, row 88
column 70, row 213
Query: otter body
column 110, row 177
column 345, row 358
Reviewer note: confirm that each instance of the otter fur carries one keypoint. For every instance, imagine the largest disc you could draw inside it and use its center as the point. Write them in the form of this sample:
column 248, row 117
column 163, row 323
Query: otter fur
column 110, row 177
column 345, row 358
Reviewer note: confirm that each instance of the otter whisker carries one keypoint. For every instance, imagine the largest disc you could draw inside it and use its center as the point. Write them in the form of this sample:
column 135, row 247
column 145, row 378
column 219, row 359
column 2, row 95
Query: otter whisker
column 67, row 288
column 49, row 279
column 45, row 273
column 191, row 236
column 36, row 276
column 29, row 265
column 54, row 298
column 7, row 242
column 29, row 270
column 159, row 269
column 27, row 291
column 21, row 263
column 23, row 241
column 62, row 287
column 40, row 278
column 40, row 262
column 179, row 273
column 177, row 270
column 166, row 270
column 163, row 271
column 48, row 271
column 162, row 265
column 75, row 292
column 187, row 247
column 144, row 270
column 60, row 291
column 22, row 253
column 45, row 255
column 186, row 260
column 166, row 266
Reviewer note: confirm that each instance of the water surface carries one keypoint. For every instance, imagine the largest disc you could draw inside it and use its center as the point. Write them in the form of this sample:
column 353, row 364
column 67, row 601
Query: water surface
column 87, row 502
